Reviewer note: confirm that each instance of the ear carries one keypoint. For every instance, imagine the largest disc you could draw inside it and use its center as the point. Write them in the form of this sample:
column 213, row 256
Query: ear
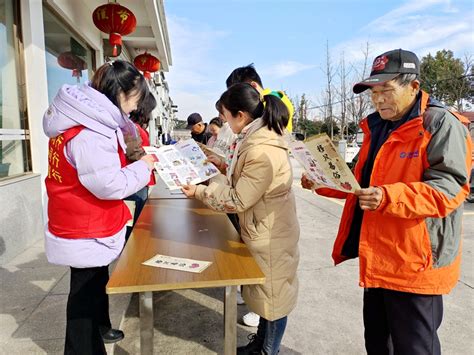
column 256, row 86
column 240, row 115
column 243, row 116
column 415, row 84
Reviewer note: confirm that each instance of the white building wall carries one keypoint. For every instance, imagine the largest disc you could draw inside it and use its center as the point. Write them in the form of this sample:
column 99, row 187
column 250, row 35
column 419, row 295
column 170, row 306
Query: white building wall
column 36, row 81
column 23, row 198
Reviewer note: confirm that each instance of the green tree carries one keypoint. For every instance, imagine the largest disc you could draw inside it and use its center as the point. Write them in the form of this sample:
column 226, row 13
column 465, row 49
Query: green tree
column 300, row 117
column 311, row 128
column 326, row 128
column 446, row 78
column 352, row 128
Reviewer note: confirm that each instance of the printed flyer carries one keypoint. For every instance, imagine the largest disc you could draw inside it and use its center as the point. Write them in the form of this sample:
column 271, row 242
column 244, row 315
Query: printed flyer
column 211, row 151
column 181, row 264
column 323, row 164
column 181, row 164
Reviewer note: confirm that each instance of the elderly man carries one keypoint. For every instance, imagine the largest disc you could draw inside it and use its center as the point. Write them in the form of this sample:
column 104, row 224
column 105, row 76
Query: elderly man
column 199, row 131
column 405, row 222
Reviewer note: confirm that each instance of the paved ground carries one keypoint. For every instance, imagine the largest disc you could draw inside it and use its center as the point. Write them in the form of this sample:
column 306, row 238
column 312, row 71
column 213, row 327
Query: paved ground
column 327, row 319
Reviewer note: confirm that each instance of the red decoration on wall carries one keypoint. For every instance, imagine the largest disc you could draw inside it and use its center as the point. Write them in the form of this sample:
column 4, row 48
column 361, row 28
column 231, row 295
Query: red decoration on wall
column 116, row 20
column 147, row 63
column 68, row 60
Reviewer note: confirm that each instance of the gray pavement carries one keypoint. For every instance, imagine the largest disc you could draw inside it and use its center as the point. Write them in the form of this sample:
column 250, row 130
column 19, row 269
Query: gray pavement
column 327, row 319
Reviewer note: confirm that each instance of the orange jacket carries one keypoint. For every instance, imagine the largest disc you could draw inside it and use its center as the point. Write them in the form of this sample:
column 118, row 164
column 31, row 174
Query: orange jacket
column 412, row 241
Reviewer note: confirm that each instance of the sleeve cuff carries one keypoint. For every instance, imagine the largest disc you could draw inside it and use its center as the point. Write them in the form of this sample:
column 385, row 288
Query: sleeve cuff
column 384, row 201
column 199, row 194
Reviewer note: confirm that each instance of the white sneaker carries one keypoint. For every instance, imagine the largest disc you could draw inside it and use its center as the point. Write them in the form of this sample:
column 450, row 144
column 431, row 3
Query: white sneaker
column 251, row 319
column 240, row 299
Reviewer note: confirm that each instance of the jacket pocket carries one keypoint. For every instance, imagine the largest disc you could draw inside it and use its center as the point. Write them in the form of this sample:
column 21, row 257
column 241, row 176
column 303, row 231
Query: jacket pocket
column 424, row 245
column 247, row 225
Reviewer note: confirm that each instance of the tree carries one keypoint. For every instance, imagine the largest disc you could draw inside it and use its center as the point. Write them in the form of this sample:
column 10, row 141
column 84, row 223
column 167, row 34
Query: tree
column 329, row 72
column 296, row 118
column 311, row 128
column 446, row 78
column 352, row 128
column 302, row 123
column 343, row 92
column 326, row 128
column 360, row 104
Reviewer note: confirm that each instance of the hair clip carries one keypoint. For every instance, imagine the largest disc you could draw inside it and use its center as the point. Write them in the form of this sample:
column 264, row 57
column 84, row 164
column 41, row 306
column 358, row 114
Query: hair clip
column 111, row 63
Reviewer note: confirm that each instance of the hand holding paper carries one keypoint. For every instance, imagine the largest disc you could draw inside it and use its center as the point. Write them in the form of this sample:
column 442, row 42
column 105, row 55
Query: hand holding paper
column 370, row 198
column 189, row 190
column 323, row 165
column 182, row 164
column 150, row 160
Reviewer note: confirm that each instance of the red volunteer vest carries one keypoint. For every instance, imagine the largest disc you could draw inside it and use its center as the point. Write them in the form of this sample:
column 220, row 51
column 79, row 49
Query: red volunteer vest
column 74, row 212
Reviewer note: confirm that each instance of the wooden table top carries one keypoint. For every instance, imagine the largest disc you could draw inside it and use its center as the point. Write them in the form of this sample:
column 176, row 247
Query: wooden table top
column 161, row 191
column 183, row 228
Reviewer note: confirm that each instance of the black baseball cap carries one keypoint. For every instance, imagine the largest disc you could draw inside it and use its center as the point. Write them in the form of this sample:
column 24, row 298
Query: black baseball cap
column 193, row 119
column 388, row 66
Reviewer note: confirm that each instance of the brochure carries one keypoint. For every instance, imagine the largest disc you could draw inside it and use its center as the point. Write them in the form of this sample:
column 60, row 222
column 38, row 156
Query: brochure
column 181, row 264
column 323, row 164
column 210, row 151
column 181, row 164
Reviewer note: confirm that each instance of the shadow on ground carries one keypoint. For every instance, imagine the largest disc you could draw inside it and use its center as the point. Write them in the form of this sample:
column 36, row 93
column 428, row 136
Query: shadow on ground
column 186, row 321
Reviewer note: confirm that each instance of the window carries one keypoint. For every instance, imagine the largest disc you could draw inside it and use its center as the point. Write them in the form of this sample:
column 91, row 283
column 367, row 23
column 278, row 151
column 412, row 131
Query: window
column 68, row 58
column 14, row 134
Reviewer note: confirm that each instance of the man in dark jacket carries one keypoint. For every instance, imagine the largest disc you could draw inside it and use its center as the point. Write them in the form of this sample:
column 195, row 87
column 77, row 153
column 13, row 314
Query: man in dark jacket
column 198, row 128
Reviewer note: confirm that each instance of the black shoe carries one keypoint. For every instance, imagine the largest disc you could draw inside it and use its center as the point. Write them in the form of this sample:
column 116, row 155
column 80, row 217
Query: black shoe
column 112, row 336
column 254, row 347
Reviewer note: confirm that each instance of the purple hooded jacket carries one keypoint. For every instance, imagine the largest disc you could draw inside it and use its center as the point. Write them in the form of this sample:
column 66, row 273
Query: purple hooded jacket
column 93, row 152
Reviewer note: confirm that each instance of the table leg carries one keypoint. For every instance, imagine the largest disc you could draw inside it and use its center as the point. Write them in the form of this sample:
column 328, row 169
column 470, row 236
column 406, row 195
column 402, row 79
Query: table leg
column 230, row 320
column 146, row 323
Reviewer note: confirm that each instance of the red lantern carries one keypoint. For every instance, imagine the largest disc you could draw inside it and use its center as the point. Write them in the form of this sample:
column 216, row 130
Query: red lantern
column 147, row 63
column 68, row 60
column 116, row 20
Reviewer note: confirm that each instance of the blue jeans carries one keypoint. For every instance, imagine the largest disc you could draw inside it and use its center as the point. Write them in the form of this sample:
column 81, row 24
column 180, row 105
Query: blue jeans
column 272, row 333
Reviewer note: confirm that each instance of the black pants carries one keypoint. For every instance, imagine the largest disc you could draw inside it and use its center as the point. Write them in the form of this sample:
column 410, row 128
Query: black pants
column 401, row 323
column 87, row 311
column 234, row 219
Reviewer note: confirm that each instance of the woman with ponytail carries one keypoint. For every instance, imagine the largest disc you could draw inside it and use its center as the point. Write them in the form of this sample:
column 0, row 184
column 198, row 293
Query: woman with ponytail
column 257, row 187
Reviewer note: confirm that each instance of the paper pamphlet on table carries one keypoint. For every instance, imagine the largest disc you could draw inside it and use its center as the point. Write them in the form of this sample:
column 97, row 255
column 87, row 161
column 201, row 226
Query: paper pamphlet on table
column 323, row 164
column 181, row 264
column 181, row 164
column 210, row 151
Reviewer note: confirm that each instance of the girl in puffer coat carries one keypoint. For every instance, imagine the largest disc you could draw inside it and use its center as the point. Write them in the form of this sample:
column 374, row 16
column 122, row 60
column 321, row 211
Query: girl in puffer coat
column 87, row 180
column 258, row 188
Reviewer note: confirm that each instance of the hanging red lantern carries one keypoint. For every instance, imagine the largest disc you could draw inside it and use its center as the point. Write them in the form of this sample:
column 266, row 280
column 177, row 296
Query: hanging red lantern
column 147, row 63
column 68, row 60
column 116, row 20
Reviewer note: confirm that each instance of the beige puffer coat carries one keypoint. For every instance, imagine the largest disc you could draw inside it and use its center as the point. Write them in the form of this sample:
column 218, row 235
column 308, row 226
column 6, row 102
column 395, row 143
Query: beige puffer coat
column 262, row 195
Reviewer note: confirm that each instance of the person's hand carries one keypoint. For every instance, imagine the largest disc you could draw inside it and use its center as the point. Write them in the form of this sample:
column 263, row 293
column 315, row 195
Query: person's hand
column 369, row 198
column 218, row 162
column 134, row 149
column 189, row 190
column 306, row 182
column 149, row 160
column 214, row 160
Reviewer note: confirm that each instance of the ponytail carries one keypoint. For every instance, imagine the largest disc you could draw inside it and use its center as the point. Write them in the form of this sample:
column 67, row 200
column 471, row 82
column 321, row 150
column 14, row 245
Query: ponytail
column 244, row 97
column 275, row 115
